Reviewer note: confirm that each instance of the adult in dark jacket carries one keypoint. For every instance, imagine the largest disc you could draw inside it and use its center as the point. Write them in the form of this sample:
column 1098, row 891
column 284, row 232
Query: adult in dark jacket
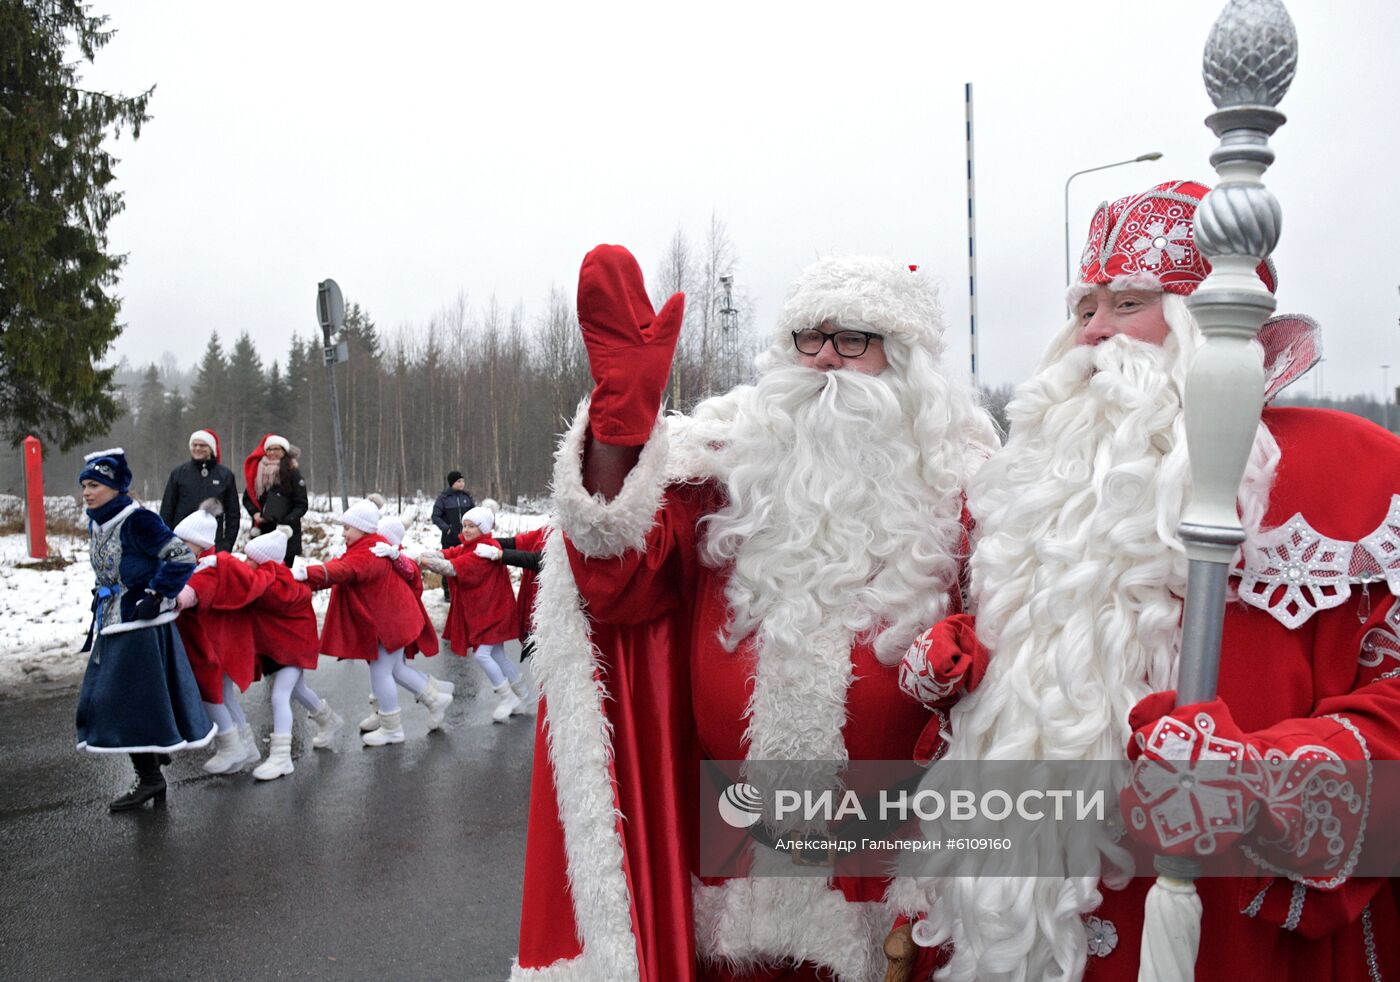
column 274, row 492
column 198, row 479
column 449, row 508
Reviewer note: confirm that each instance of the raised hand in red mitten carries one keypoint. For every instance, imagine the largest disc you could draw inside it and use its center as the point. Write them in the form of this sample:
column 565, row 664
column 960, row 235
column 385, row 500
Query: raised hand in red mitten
column 946, row 662
column 630, row 346
column 1199, row 784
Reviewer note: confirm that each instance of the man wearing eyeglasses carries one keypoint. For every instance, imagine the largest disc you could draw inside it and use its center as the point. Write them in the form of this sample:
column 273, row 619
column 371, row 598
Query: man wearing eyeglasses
column 751, row 575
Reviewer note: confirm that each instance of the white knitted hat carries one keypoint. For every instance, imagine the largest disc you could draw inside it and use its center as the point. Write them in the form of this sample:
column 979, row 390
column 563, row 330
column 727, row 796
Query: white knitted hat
column 481, row 518
column 199, row 528
column 392, row 529
column 269, row 548
column 362, row 515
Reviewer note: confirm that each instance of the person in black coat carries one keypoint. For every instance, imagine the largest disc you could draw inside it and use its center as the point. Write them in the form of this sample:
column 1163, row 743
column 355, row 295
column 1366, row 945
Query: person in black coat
column 448, row 510
column 200, row 478
column 274, row 492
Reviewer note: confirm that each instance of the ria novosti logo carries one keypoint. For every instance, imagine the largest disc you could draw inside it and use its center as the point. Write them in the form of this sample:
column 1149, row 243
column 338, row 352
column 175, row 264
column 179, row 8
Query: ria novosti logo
column 741, row 805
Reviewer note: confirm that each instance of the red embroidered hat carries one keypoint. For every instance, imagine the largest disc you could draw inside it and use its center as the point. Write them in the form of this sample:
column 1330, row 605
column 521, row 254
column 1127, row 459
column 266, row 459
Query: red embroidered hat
column 1148, row 236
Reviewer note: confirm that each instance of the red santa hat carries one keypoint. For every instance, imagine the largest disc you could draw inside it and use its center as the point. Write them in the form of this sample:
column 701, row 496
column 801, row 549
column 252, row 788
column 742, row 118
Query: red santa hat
column 362, row 515
column 269, row 548
column 273, row 440
column 864, row 293
column 200, row 527
column 1147, row 241
column 210, row 439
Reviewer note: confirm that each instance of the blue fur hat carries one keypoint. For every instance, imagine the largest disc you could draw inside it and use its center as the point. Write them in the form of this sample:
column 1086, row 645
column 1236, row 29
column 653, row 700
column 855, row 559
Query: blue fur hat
column 107, row 467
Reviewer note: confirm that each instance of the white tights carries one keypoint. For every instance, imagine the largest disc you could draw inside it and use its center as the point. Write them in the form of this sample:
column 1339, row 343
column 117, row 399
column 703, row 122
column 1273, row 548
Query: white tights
column 493, row 661
column 287, row 685
column 388, row 670
column 227, row 715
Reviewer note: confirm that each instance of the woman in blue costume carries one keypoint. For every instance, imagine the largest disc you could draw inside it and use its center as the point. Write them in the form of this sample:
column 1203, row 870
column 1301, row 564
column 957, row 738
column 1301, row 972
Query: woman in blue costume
column 139, row 696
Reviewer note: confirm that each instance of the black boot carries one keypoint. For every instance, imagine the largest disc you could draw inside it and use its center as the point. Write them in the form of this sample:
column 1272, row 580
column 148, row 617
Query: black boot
column 150, row 785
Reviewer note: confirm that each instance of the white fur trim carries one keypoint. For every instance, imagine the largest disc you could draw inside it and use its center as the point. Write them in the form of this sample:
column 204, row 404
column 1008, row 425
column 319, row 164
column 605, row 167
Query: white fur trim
column 1141, row 280
column 600, row 528
column 122, row 627
column 580, row 969
column 863, row 293
column 766, row 920
column 580, row 748
column 204, row 436
column 182, row 745
column 274, row 440
column 119, row 516
column 103, row 453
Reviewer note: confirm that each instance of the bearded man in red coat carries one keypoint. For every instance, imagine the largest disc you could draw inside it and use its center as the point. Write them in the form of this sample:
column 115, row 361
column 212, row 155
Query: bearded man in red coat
column 736, row 585
column 1078, row 580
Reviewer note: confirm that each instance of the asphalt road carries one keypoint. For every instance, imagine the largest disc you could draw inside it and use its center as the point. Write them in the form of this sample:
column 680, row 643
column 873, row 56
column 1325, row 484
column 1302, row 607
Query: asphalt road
column 387, row 863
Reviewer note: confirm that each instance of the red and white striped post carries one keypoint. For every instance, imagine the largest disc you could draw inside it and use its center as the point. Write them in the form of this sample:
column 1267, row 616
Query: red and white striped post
column 34, row 518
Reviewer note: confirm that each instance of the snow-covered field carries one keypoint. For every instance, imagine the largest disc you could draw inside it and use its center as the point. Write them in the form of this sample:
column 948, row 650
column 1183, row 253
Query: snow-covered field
column 44, row 604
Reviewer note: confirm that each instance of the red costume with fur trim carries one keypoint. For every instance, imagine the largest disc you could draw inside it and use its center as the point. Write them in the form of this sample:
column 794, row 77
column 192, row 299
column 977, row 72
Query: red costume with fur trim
column 426, row 644
column 531, row 541
column 482, row 602
column 371, row 606
column 636, row 689
column 284, row 623
column 218, row 631
column 1311, row 676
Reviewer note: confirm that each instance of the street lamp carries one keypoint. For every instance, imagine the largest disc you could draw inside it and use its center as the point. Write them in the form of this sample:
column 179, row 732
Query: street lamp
column 1089, row 170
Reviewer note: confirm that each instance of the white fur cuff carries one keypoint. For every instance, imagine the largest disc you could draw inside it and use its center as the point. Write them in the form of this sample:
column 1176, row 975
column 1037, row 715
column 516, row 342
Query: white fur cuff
column 600, row 528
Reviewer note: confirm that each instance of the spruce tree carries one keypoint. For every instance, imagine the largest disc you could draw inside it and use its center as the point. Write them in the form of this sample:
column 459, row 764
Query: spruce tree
column 58, row 307
column 208, row 399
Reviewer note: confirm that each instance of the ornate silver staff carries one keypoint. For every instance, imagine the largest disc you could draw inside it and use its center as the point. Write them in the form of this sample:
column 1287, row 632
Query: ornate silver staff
column 1250, row 59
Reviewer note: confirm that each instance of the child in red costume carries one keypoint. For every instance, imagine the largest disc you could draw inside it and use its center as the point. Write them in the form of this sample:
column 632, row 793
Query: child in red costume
column 216, row 628
column 371, row 617
column 426, row 644
column 482, row 614
column 285, row 640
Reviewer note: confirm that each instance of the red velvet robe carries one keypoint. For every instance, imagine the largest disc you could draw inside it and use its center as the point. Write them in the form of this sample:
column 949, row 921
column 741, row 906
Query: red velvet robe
column 1339, row 473
column 284, row 623
column 482, row 606
column 371, row 606
column 218, row 631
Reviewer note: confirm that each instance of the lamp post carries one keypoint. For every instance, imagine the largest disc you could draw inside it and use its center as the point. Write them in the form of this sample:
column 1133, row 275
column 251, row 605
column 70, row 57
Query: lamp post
column 1385, row 396
column 1089, row 170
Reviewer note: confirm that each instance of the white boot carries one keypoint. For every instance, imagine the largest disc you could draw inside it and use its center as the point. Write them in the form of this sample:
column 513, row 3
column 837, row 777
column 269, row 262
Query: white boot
column 509, row 703
column 390, row 730
column 251, row 753
column 279, row 759
column 228, row 753
column 445, row 685
column 522, row 691
column 371, row 722
column 325, row 724
column 436, row 700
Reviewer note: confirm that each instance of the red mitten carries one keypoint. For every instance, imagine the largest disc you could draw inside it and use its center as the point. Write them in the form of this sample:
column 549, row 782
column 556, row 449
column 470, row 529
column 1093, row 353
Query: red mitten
column 1199, row 784
column 946, row 662
column 629, row 345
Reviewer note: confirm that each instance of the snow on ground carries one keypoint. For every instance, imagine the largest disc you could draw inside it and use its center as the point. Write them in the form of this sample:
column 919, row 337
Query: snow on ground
column 45, row 604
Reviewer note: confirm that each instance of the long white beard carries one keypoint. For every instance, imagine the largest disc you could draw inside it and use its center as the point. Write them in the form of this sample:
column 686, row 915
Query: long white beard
column 1078, row 576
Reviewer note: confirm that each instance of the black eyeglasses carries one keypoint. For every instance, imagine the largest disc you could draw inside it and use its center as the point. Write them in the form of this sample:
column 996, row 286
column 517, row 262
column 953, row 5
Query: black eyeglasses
column 847, row 344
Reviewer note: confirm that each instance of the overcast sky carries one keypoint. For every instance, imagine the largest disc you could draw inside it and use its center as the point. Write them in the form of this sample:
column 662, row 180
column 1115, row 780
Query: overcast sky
column 412, row 151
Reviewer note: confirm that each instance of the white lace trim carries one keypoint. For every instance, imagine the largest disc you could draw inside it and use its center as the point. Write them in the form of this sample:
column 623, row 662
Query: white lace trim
column 1316, row 572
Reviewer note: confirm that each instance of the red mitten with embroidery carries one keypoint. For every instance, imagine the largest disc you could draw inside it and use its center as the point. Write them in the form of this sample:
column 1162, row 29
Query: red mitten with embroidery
column 630, row 346
column 945, row 663
column 1199, row 784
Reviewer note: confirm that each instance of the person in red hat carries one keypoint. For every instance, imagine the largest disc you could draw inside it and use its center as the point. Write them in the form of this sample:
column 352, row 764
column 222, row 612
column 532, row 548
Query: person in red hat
column 1078, row 583
column 371, row 617
column 198, row 479
column 735, row 585
column 274, row 492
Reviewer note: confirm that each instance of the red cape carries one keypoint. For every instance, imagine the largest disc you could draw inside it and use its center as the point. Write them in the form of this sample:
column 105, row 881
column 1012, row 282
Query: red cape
column 371, row 606
column 483, row 609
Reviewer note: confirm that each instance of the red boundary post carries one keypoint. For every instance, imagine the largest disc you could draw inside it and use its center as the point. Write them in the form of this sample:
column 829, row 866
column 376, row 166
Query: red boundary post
column 34, row 517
